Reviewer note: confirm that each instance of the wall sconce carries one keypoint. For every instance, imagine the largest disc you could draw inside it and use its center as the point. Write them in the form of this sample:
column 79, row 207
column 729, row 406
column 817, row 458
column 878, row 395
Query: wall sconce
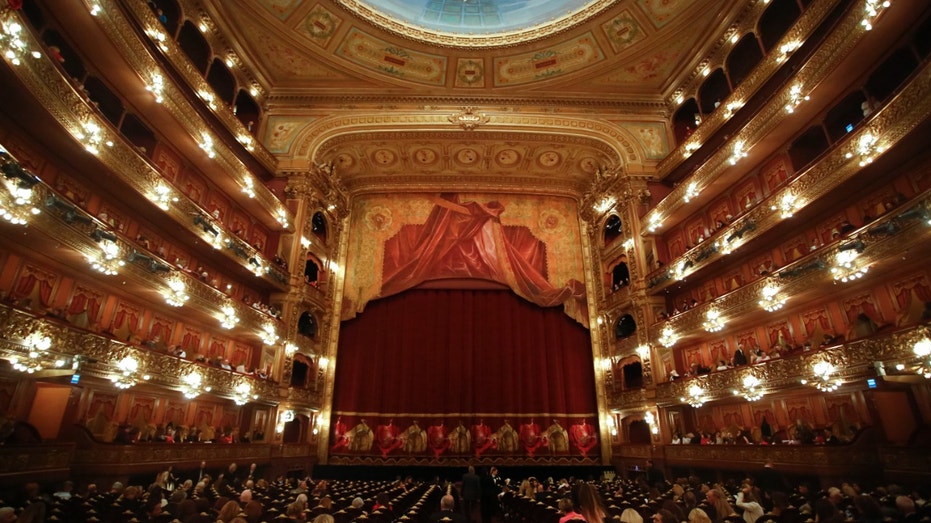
column 176, row 295
column 228, row 317
column 751, row 389
column 668, row 337
column 873, row 9
column 651, row 422
column 822, row 379
column 690, row 192
column 191, row 385
column 846, row 268
column 206, row 144
column 268, row 334
column 242, row 393
column 15, row 46
column 696, row 396
column 156, row 87
column 739, row 153
column 162, row 196
column 713, row 320
column 127, row 376
column 286, row 416
column 795, row 98
column 866, row 149
column 772, row 300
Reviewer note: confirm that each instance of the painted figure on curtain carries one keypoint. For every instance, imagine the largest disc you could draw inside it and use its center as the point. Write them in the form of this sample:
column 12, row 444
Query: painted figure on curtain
column 507, row 438
column 361, row 437
column 460, row 439
column 583, row 436
column 340, row 436
column 520, row 242
column 557, row 438
column 415, row 439
column 531, row 438
column 437, row 439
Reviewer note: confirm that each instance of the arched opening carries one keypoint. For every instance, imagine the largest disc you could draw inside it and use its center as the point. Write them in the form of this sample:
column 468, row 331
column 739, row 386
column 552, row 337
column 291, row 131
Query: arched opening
column 713, row 90
column 625, row 327
column 633, row 375
column 810, row 145
column 221, row 80
column 776, row 20
column 686, row 119
column 845, row 116
column 300, row 371
column 195, row 46
column 613, row 228
column 170, row 15
column 246, row 109
column 620, row 275
column 890, row 75
column 138, row 134
column 743, row 58
column 311, row 271
column 318, row 225
column 69, row 60
column 307, row 325
column 109, row 104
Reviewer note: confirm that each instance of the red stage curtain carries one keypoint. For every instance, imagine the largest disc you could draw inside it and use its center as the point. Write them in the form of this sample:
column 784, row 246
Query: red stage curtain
column 465, row 353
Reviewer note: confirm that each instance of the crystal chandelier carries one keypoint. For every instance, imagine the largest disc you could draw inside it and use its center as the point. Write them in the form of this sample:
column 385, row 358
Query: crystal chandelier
column 751, row 389
column 668, row 337
column 14, row 47
column 37, row 358
column 822, row 379
column 19, row 209
column 242, row 393
column 922, row 350
column 651, row 422
column 128, row 374
column 108, row 261
column 192, row 385
column 176, row 295
column 846, row 268
column 162, row 196
column 713, row 320
column 867, row 149
column 228, row 318
column 268, row 334
column 772, row 300
column 92, row 137
column 696, row 396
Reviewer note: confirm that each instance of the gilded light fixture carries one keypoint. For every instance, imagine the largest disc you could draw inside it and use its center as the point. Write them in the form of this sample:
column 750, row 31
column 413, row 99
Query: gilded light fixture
column 873, row 9
column 242, row 393
column 696, row 396
column 268, row 334
column 192, row 385
column 751, row 388
column 13, row 46
column 156, row 87
column 108, row 260
column 690, row 148
column 208, row 99
column 281, row 216
column 228, row 317
column 679, row 271
column 771, row 299
column 37, row 358
column 846, row 267
column 922, row 350
column 651, row 422
column 823, row 372
column 713, row 320
column 91, row 136
column 738, row 154
column 787, row 205
column 628, row 244
column 654, row 223
column 249, row 187
column 18, row 208
column 866, row 149
column 206, row 144
column 247, row 141
column 786, row 49
column 162, row 196
column 732, row 108
column 691, row 191
column 795, row 98
column 176, row 295
column 605, row 204
column 668, row 337
column 128, row 373
column 290, row 349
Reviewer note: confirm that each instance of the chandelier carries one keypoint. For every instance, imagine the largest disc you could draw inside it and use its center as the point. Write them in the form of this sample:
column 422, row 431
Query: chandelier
column 668, row 337
column 37, row 358
column 228, row 317
column 14, row 47
column 18, row 209
column 162, row 196
column 795, row 98
column 651, row 422
column 866, row 149
column 922, row 350
column 242, row 393
column 128, row 374
column 192, row 385
column 873, row 9
column 788, row 204
column 772, row 300
column 108, row 261
column 823, row 377
column 92, row 137
column 846, row 268
column 696, row 396
column 176, row 295
column 268, row 334
column 751, row 389
column 713, row 320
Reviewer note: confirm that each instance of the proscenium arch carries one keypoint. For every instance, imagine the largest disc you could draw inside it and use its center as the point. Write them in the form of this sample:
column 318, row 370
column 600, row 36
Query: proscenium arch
column 310, row 140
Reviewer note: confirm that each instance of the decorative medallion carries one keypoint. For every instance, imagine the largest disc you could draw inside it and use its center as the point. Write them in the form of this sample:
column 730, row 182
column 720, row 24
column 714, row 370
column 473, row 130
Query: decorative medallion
column 549, row 159
column 588, row 165
column 507, row 157
column 623, row 31
column 384, row 157
column 344, row 161
column 467, row 156
column 470, row 73
column 425, row 156
column 320, row 25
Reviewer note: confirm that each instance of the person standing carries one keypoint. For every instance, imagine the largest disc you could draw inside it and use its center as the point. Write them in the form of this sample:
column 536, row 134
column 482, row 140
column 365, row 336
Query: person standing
column 471, row 492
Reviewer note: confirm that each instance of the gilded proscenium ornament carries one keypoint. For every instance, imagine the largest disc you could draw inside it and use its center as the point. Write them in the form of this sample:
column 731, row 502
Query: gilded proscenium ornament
column 835, row 48
column 892, row 123
column 853, row 361
column 468, row 119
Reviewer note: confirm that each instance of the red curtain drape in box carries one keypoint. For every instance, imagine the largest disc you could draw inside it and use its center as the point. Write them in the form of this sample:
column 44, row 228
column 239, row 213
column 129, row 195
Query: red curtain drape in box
column 462, row 357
